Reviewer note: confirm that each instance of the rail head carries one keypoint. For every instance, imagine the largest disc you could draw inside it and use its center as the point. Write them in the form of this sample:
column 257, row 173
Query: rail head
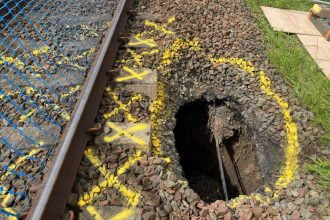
column 59, row 179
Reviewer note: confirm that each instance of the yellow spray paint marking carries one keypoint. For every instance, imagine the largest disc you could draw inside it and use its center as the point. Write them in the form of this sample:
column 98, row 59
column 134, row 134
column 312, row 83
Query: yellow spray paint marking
column 133, row 159
column 155, row 108
column 173, row 52
column 72, row 90
column 6, row 199
column 234, row 203
column 90, row 30
column 111, row 180
column 137, row 41
column 316, row 9
column 23, row 118
column 93, row 212
column 170, row 20
column 127, row 133
column 292, row 148
column 13, row 166
column 42, row 50
column 137, row 57
column 124, row 214
column 159, row 28
column 14, row 61
column 238, row 62
column 122, row 106
column 18, row 162
column 134, row 74
column 11, row 211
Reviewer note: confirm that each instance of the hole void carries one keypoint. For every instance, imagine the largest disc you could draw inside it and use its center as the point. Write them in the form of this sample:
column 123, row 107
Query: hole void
column 199, row 124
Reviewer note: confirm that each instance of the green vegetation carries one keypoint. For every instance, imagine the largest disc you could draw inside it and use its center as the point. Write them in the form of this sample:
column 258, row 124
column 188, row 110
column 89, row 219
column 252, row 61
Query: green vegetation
column 322, row 168
column 296, row 66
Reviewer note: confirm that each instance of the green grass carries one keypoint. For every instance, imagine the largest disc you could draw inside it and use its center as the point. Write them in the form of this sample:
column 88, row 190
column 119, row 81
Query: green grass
column 296, row 66
column 322, row 168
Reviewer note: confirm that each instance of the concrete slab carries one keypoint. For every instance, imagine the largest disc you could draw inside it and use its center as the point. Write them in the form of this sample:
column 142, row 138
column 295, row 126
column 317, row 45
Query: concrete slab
column 319, row 49
column 290, row 21
column 149, row 90
column 146, row 85
column 136, row 135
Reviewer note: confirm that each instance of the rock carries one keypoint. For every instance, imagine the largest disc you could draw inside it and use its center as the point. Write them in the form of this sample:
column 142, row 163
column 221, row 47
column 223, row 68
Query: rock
column 295, row 215
column 295, row 193
column 313, row 201
column 305, row 214
column 212, row 216
column 19, row 184
column 220, row 211
column 291, row 207
column 228, row 216
column 299, row 201
column 257, row 211
column 169, row 183
column 149, row 216
column 151, row 199
column 245, row 214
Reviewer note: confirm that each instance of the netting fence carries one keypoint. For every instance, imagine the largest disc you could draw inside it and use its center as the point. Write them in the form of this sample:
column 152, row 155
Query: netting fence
column 46, row 49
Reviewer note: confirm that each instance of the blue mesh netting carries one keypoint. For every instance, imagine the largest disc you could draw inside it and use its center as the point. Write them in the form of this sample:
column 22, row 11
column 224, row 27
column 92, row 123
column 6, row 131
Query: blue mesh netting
column 46, row 50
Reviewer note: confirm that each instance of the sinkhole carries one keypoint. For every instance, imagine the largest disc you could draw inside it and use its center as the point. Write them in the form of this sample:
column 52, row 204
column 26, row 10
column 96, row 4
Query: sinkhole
column 202, row 127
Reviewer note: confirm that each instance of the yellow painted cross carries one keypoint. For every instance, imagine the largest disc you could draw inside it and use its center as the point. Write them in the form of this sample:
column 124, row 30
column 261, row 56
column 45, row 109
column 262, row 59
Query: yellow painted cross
column 138, row 42
column 133, row 74
column 110, row 180
column 121, row 106
column 127, row 133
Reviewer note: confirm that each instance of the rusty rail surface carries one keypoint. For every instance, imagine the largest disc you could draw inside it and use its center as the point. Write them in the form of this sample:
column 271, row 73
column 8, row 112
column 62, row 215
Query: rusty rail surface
column 57, row 185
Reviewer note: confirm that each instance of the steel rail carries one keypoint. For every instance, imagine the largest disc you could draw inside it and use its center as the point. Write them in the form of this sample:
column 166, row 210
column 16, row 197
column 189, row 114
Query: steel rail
column 56, row 187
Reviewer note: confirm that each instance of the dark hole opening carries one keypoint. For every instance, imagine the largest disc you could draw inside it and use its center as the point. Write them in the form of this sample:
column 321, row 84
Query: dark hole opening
column 198, row 152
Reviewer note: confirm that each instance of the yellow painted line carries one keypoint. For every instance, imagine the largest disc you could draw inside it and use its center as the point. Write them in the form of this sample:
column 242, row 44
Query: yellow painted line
column 234, row 203
column 134, row 74
column 157, row 107
column 131, row 196
column 292, row 149
column 133, row 159
column 124, row 214
column 238, row 62
column 174, row 51
column 93, row 212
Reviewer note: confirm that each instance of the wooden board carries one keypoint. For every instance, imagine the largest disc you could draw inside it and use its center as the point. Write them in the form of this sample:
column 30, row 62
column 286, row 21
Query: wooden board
column 290, row 21
column 319, row 49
